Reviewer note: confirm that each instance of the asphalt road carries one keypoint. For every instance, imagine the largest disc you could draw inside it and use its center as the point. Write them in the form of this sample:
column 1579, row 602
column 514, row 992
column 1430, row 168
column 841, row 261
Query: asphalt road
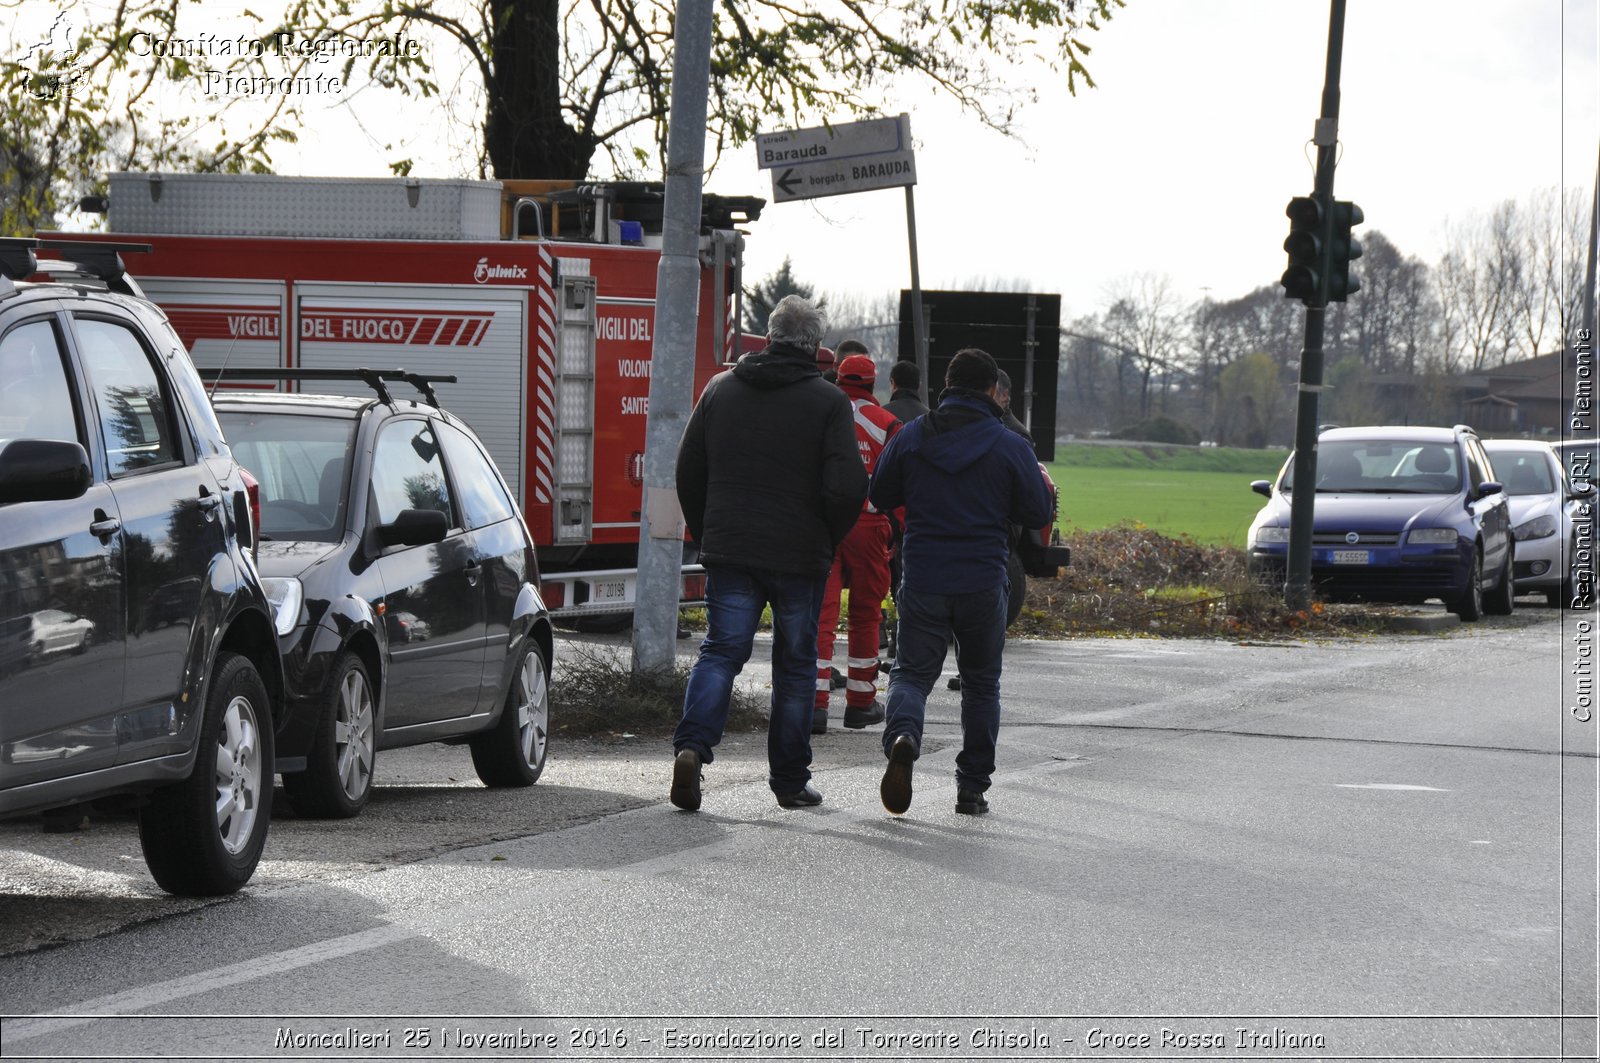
column 1379, row 848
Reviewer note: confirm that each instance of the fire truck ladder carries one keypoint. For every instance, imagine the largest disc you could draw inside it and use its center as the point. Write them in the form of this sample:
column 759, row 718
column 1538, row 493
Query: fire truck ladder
column 575, row 399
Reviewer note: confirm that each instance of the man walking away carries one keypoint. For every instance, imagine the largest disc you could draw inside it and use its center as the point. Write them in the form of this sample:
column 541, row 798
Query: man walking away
column 1009, row 419
column 862, row 562
column 961, row 477
column 904, row 380
column 770, row 482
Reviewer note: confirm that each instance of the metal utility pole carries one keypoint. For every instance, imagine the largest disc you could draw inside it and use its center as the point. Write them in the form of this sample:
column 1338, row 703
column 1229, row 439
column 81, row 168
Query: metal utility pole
column 919, row 323
column 655, row 613
column 1297, row 591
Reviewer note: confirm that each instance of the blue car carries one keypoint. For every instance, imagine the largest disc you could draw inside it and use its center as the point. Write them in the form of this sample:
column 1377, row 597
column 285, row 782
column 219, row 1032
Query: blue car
column 1401, row 515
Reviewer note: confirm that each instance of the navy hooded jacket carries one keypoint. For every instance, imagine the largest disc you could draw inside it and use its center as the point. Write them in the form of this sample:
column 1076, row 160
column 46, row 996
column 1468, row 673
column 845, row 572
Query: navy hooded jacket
column 962, row 477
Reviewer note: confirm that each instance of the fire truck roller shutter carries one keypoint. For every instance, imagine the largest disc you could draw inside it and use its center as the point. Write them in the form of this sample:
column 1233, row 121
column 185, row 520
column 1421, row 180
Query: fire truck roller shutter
column 480, row 336
column 238, row 324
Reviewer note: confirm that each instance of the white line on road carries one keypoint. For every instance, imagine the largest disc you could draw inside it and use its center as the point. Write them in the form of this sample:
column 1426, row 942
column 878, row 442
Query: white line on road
column 1388, row 786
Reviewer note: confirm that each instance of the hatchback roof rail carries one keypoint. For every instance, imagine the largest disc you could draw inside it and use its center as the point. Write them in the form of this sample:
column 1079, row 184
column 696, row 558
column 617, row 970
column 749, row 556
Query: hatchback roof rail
column 373, row 378
column 97, row 260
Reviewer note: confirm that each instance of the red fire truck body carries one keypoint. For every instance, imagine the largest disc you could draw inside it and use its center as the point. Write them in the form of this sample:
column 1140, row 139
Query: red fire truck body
column 550, row 341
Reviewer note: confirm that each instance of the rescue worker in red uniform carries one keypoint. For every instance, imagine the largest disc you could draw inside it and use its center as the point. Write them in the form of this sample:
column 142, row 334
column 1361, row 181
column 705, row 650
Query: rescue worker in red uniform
column 861, row 562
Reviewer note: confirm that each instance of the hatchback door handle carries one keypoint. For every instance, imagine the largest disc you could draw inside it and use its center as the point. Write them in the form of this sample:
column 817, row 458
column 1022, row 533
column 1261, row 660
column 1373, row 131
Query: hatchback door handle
column 473, row 571
column 103, row 525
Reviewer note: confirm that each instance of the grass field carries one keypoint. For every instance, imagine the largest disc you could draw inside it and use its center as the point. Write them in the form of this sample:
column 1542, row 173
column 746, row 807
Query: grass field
column 1202, row 492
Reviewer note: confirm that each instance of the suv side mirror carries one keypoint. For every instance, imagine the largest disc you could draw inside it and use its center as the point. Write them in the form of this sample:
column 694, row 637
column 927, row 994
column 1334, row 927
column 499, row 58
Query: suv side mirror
column 415, row 527
column 1262, row 487
column 42, row 470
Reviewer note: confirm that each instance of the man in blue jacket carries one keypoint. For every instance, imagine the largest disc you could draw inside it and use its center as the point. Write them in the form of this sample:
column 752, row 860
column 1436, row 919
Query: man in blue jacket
column 962, row 478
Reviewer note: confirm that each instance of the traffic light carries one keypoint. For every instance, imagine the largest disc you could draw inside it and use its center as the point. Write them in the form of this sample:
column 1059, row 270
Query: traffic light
column 1341, row 249
column 1307, row 261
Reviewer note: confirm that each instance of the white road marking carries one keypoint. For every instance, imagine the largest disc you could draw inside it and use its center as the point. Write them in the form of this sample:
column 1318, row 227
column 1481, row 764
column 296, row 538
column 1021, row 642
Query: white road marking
column 1388, row 786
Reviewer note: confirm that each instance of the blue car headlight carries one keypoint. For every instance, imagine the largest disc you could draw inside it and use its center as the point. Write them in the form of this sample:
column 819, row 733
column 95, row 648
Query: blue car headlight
column 1537, row 528
column 1432, row 536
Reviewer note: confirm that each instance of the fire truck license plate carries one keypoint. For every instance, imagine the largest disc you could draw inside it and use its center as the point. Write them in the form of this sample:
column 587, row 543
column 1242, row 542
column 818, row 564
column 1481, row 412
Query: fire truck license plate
column 610, row 590
column 1350, row 557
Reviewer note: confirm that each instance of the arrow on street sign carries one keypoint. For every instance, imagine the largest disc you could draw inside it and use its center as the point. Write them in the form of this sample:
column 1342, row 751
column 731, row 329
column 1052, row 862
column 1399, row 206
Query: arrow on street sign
column 787, row 183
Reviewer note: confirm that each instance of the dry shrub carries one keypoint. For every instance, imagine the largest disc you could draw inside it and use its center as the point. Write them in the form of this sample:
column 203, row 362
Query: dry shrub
column 594, row 693
column 1129, row 580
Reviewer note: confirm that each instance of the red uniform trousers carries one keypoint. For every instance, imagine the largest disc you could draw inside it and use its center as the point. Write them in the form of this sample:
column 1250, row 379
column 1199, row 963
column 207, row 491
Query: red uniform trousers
column 862, row 564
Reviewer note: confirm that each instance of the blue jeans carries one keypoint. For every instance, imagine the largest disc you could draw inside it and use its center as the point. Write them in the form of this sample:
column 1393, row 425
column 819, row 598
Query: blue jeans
column 927, row 621
column 734, row 600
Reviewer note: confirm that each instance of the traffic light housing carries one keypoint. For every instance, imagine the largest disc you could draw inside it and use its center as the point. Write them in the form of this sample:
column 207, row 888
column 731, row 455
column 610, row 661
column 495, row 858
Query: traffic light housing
column 1341, row 249
column 1302, row 280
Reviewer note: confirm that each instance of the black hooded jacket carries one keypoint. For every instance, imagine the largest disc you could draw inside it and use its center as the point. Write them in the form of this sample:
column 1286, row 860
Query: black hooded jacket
column 769, row 473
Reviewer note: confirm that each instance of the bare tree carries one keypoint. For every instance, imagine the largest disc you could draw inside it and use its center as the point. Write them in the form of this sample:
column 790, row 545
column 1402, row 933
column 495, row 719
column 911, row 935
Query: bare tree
column 1146, row 317
column 1480, row 277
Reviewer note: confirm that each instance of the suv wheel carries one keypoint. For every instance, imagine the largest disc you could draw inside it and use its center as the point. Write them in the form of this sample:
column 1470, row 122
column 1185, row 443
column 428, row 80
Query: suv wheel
column 1469, row 604
column 513, row 751
column 338, row 776
column 202, row 837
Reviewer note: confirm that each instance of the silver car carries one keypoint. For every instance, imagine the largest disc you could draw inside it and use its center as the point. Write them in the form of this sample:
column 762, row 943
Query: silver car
column 1544, row 503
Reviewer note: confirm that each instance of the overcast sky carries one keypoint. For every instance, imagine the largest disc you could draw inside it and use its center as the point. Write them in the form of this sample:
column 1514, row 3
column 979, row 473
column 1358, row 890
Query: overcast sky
column 1181, row 161
column 1178, row 165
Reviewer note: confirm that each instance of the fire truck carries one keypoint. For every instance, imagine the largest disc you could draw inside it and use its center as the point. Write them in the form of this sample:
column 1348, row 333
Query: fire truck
column 539, row 297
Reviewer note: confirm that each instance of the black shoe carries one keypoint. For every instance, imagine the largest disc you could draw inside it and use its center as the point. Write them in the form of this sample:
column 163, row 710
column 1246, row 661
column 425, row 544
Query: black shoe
column 807, row 796
column 859, row 718
column 970, row 803
column 836, row 679
column 896, row 786
column 686, row 780
column 955, row 682
column 819, row 721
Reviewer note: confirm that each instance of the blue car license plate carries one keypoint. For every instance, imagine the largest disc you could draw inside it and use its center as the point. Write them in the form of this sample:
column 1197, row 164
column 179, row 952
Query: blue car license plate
column 1351, row 557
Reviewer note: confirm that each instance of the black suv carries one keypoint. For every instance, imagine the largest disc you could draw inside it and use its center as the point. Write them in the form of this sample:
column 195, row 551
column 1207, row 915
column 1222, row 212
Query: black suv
column 119, row 500
column 405, row 584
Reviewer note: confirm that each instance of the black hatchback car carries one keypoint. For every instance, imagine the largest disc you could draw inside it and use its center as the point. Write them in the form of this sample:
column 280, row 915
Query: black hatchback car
column 137, row 662
column 404, row 582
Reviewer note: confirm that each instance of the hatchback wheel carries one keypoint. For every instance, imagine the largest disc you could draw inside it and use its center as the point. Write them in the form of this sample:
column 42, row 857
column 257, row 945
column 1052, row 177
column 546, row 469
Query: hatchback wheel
column 1502, row 601
column 1469, row 604
column 513, row 751
column 203, row 836
column 338, row 778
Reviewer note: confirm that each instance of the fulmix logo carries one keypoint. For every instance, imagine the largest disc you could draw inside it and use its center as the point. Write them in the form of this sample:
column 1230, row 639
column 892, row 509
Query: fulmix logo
column 51, row 68
column 485, row 272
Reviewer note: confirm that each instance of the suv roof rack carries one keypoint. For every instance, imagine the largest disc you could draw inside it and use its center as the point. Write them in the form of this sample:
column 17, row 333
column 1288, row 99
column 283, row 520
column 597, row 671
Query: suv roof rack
column 96, row 260
column 373, row 378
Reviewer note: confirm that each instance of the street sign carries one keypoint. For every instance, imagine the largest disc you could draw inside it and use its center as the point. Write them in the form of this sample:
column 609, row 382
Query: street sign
column 846, row 140
column 837, row 178
column 850, row 157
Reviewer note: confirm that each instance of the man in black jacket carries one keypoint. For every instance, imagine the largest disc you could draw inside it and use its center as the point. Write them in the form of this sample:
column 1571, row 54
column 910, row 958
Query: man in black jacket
column 770, row 482
column 904, row 380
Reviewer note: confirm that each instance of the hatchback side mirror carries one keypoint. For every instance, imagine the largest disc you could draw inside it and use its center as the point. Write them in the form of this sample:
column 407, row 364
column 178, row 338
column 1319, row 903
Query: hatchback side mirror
column 415, row 527
column 1490, row 487
column 1581, row 489
column 42, row 470
column 1262, row 487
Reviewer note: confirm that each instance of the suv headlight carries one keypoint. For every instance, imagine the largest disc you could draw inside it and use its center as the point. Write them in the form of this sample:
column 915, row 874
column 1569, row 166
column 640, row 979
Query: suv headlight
column 1537, row 528
column 1271, row 533
column 286, row 595
column 1436, row 536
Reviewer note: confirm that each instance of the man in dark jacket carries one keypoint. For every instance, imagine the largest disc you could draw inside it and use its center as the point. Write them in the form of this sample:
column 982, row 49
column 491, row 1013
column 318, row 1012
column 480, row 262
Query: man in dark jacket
column 770, row 482
column 961, row 477
column 904, row 380
column 1007, row 418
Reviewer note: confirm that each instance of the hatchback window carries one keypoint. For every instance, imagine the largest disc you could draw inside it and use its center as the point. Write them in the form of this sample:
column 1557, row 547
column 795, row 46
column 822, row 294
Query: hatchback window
column 1384, row 467
column 302, row 464
column 407, row 472
column 35, row 398
column 1524, row 474
column 483, row 500
column 135, row 417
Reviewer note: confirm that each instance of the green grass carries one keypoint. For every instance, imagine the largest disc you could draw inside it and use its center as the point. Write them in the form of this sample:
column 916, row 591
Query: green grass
column 1201, row 492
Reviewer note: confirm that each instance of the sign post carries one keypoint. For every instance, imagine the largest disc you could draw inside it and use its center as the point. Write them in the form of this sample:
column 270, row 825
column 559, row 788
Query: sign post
column 851, row 157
